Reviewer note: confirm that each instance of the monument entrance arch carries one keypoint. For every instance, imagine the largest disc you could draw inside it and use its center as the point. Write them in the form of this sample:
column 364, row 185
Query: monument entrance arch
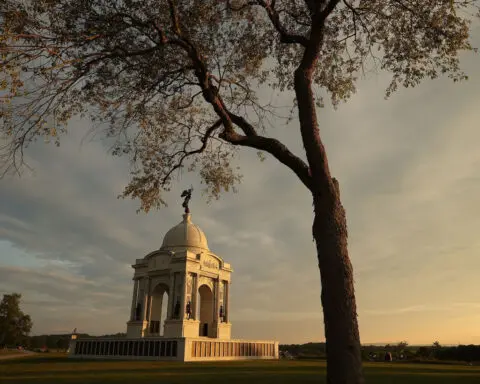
column 206, row 310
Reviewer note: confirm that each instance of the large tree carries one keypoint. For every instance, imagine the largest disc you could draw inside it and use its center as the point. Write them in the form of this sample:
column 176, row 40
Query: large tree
column 176, row 81
column 14, row 324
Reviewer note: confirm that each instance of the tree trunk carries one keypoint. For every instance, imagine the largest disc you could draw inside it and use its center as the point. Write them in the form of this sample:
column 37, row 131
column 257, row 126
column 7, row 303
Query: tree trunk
column 344, row 364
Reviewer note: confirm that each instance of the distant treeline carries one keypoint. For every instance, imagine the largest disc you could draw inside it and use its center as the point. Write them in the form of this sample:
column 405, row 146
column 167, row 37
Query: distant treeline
column 305, row 351
column 403, row 351
column 469, row 353
column 55, row 341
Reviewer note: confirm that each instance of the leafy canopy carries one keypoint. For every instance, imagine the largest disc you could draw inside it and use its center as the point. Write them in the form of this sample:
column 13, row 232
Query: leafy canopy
column 14, row 324
column 176, row 82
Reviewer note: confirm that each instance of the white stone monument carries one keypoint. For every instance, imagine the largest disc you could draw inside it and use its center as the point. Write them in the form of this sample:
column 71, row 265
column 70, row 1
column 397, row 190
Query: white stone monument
column 180, row 306
column 195, row 281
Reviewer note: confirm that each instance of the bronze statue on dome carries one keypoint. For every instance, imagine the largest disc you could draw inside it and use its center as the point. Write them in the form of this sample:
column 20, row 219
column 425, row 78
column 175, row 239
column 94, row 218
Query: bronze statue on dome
column 187, row 194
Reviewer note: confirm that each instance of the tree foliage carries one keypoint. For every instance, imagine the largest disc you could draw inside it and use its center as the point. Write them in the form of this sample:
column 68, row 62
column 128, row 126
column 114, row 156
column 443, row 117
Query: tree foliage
column 176, row 82
column 402, row 346
column 14, row 324
column 458, row 353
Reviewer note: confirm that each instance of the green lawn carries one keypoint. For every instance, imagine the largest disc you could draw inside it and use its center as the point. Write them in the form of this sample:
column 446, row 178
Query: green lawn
column 57, row 368
column 9, row 352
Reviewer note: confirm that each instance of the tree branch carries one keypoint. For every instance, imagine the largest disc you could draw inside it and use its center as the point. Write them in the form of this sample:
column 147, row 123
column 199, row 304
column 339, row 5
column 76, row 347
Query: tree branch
column 186, row 153
column 285, row 36
column 276, row 149
column 174, row 17
column 273, row 15
column 229, row 119
column 328, row 10
column 244, row 125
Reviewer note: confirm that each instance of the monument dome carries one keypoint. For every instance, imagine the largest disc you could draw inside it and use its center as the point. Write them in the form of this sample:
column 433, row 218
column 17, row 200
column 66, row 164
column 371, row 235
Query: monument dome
column 185, row 234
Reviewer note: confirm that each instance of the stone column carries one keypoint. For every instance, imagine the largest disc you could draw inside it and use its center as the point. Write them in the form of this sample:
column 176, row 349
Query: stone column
column 226, row 303
column 183, row 295
column 134, row 299
column 194, row 296
column 148, row 306
column 146, row 294
column 171, row 297
column 217, row 300
column 150, row 303
column 160, row 330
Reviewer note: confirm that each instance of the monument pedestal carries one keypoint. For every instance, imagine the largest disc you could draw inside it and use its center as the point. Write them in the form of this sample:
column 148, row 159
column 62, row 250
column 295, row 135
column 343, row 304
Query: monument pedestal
column 137, row 328
column 224, row 330
column 181, row 328
column 191, row 328
column 170, row 349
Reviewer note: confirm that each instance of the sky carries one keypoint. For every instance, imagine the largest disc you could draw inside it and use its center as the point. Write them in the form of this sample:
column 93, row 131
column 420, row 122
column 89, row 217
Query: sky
column 409, row 171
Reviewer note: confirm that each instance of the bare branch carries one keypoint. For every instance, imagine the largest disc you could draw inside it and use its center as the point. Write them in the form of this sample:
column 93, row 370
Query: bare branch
column 276, row 149
column 329, row 8
column 174, row 17
column 186, row 154
column 285, row 36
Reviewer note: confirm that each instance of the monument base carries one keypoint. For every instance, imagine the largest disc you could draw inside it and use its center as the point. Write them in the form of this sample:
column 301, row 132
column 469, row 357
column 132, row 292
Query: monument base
column 137, row 328
column 168, row 349
column 185, row 328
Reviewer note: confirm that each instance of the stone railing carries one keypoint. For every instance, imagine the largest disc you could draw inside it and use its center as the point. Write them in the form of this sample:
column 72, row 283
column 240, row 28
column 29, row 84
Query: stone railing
column 231, row 349
column 127, row 348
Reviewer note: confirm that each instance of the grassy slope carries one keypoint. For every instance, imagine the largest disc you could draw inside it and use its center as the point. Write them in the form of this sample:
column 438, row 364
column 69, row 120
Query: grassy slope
column 59, row 369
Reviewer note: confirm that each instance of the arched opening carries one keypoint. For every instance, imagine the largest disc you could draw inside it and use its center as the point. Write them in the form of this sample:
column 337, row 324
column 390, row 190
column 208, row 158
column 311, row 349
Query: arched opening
column 158, row 311
column 205, row 309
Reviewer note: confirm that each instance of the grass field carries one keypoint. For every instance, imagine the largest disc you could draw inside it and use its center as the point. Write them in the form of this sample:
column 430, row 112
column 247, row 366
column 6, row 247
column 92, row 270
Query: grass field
column 57, row 368
column 9, row 352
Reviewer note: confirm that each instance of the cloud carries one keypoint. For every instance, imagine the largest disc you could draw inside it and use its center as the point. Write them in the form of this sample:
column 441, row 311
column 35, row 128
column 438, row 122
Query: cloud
column 406, row 310
column 68, row 214
column 410, row 179
column 59, row 299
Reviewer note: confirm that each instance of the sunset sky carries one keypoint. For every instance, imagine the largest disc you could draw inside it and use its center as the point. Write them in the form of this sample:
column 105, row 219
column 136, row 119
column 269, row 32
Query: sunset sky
column 409, row 170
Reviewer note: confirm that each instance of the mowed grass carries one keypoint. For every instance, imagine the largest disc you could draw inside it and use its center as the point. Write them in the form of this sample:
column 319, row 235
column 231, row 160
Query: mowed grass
column 57, row 368
column 9, row 352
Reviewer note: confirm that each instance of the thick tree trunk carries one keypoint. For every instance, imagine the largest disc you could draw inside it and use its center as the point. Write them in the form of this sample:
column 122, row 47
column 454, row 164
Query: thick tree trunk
column 344, row 364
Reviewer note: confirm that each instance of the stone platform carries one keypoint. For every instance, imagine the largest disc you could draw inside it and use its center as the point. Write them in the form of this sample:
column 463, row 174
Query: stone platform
column 172, row 349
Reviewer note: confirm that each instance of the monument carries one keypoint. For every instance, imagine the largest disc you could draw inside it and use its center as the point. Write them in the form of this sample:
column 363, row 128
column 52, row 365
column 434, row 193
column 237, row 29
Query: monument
column 180, row 306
